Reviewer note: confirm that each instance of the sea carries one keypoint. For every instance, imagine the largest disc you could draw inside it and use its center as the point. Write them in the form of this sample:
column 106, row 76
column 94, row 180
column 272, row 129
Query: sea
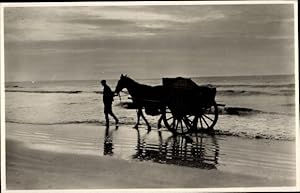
column 269, row 100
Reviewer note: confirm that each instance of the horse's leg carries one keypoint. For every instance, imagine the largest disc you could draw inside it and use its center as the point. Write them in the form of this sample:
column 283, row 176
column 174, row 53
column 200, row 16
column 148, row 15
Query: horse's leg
column 147, row 123
column 163, row 111
column 138, row 113
column 159, row 122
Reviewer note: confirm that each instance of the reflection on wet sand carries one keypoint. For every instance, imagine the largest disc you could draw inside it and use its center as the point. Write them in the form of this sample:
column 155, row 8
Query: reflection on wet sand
column 108, row 144
column 197, row 150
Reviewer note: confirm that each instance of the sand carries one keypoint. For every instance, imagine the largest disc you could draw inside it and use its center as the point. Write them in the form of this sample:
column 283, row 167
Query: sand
column 33, row 165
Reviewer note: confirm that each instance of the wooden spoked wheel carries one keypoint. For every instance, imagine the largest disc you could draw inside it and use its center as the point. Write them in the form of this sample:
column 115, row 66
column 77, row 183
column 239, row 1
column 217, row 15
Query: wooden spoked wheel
column 205, row 119
column 178, row 125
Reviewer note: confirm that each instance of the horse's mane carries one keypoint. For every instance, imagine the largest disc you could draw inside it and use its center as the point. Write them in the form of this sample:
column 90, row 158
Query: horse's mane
column 137, row 83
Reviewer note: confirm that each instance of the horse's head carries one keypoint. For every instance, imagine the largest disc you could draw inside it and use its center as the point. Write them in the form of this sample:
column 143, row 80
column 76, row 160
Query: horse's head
column 122, row 83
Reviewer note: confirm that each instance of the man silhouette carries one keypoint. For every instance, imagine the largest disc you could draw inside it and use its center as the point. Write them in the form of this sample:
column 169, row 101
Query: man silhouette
column 108, row 97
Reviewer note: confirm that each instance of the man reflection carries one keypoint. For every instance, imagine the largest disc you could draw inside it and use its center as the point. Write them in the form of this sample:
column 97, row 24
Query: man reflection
column 108, row 145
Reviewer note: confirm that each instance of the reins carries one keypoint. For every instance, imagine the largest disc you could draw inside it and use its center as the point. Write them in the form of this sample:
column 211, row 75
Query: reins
column 120, row 98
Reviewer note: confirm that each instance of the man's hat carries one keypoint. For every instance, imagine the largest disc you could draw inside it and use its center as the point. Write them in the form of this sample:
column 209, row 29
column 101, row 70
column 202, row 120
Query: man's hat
column 103, row 81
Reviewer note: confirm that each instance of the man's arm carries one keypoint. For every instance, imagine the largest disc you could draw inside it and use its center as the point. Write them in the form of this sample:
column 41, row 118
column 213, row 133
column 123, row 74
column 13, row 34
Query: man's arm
column 111, row 92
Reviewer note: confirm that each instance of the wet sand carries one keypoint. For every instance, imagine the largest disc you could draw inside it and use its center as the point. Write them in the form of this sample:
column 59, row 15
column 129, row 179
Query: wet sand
column 91, row 157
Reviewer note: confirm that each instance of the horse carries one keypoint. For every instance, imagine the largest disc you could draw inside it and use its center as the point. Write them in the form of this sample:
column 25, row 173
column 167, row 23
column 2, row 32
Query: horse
column 144, row 96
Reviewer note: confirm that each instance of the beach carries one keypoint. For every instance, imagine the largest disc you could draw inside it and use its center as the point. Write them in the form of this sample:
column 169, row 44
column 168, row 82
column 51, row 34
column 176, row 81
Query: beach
column 56, row 139
column 38, row 159
column 216, row 83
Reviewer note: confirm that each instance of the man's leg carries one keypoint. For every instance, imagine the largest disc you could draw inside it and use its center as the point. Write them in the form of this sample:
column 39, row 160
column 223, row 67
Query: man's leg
column 114, row 116
column 106, row 115
column 109, row 109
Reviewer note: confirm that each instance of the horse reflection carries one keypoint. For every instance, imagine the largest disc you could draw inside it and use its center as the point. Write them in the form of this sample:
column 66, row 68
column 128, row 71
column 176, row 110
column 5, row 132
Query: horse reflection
column 199, row 150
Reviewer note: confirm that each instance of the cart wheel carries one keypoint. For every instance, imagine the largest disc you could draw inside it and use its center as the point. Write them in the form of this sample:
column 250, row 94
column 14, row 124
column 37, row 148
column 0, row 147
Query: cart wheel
column 176, row 125
column 207, row 118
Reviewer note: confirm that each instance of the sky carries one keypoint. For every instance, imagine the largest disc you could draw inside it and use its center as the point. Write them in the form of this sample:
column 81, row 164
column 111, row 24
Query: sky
column 97, row 42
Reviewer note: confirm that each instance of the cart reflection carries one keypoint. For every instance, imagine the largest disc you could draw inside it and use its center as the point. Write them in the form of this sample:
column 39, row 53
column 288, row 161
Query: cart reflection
column 197, row 150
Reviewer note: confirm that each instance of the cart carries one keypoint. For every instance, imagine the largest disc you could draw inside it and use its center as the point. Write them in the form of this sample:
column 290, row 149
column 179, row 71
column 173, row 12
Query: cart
column 186, row 108
column 189, row 107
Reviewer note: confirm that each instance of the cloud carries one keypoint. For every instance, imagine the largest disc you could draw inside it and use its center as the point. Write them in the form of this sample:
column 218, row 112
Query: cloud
column 101, row 22
column 198, row 39
column 63, row 23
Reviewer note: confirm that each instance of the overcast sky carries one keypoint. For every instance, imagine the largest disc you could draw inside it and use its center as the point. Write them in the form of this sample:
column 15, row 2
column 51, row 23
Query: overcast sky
column 69, row 43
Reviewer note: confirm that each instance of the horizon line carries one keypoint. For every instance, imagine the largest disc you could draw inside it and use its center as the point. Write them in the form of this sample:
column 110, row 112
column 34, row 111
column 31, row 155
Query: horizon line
column 209, row 76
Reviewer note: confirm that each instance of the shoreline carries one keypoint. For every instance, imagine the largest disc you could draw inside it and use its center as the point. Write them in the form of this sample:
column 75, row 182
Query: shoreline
column 34, row 162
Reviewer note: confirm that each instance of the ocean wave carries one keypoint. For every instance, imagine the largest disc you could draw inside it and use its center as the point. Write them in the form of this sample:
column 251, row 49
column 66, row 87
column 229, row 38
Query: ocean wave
column 288, row 105
column 252, row 135
column 288, row 85
column 129, row 123
column 13, row 86
column 287, row 91
column 55, row 91
column 253, row 93
column 97, row 92
column 46, row 91
column 92, row 121
column 222, row 110
column 242, row 111
column 238, row 111
column 87, row 122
